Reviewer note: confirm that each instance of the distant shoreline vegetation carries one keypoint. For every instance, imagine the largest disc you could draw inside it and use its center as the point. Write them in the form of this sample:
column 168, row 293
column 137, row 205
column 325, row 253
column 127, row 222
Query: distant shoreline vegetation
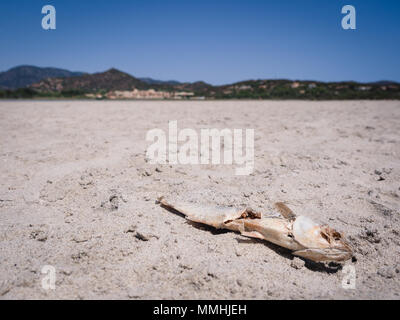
column 277, row 90
column 28, row 82
column 27, row 93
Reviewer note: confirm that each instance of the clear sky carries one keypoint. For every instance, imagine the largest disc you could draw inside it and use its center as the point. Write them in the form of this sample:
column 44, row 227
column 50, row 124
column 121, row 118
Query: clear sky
column 218, row 41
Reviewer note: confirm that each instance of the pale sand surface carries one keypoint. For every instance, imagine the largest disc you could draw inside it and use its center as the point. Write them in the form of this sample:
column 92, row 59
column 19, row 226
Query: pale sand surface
column 62, row 161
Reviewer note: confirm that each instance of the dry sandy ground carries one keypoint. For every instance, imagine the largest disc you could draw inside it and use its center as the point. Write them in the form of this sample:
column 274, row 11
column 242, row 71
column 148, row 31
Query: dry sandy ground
column 77, row 193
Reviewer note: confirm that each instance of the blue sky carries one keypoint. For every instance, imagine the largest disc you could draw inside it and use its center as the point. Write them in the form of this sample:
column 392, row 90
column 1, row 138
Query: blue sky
column 217, row 41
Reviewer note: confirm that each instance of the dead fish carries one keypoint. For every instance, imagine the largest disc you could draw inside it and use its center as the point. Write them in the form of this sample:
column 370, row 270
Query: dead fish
column 300, row 234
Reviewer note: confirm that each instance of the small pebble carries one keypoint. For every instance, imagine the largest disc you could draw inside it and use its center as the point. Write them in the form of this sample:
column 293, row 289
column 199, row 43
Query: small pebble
column 297, row 263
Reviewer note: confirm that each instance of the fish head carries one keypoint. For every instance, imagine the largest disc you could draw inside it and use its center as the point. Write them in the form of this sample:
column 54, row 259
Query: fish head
column 320, row 242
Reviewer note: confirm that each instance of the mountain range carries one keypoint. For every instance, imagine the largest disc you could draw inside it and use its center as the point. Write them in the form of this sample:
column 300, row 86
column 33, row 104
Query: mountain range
column 30, row 81
column 23, row 76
